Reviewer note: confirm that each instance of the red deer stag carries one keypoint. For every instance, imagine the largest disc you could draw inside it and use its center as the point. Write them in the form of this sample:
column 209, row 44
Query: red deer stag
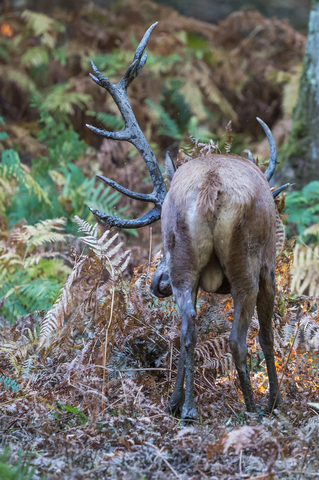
column 219, row 233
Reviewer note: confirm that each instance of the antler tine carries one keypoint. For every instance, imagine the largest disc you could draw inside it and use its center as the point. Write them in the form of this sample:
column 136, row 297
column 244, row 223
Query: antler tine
column 150, row 217
column 273, row 151
column 139, row 59
column 133, row 134
column 278, row 190
column 144, row 197
column 100, row 79
column 250, row 156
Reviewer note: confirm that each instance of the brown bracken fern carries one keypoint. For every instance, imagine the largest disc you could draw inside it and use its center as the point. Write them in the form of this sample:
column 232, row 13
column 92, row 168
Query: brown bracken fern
column 87, row 272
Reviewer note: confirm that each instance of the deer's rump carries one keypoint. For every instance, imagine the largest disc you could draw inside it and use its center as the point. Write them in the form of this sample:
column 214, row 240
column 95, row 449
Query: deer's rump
column 218, row 222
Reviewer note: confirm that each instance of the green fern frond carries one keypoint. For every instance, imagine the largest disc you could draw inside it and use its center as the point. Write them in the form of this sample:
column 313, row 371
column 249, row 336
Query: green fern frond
column 12, row 168
column 167, row 126
column 34, row 57
column 104, row 199
column 60, row 99
column 24, row 82
column 9, row 383
column 40, row 288
column 43, row 26
column 111, row 122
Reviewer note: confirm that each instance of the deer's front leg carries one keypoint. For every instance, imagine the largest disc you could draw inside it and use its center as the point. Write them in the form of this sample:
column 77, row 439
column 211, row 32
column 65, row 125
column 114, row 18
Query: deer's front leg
column 184, row 404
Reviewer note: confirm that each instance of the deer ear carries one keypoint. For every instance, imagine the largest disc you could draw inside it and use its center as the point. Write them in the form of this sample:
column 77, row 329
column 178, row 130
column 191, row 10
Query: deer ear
column 170, row 168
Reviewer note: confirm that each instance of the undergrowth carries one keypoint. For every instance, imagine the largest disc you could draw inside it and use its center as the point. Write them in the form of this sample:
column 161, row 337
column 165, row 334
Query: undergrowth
column 98, row 368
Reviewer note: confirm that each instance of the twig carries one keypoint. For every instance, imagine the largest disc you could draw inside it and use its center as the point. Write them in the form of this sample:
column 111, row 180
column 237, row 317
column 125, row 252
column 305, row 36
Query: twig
column 124, row 369
column 247, row 476
column 164, row 459
column 284, row 370
column 106, row 337
column 227, row 405
column 18, row 398
column 303, row 463
column 149, row 326
column 150, row 250
column 197, row 381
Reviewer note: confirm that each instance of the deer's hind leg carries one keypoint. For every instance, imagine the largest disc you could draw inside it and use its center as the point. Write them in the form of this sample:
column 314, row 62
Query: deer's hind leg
column 265, row 305
column 244, row 309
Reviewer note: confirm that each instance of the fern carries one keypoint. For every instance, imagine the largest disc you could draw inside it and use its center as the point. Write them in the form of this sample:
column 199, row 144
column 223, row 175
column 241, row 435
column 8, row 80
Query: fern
column 28, row 366
column 305, row 272
column 104, row 257
column 43, row 27
column 229, row 140
column 104, row 199
column 27, row 279
column 111, row 122
column 303, row 206
column 54, row 318
column 61, row 99
column 35, row 57
column 8, row 383
column 20, row 78
column 167, row 126
column 12, row 169
column 101, row 247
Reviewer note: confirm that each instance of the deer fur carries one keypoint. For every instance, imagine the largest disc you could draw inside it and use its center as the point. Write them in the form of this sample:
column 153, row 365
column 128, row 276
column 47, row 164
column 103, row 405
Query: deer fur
column 219, row 233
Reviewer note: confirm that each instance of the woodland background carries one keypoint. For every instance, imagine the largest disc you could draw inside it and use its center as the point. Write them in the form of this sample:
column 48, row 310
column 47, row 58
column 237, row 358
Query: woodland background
column 87, row 355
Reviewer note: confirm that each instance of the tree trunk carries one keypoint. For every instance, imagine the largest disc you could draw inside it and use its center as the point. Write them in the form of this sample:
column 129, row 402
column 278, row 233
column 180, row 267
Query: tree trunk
column 301, row 155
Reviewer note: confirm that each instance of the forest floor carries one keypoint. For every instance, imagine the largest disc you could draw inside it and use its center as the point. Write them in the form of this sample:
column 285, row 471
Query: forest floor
column 63, row 417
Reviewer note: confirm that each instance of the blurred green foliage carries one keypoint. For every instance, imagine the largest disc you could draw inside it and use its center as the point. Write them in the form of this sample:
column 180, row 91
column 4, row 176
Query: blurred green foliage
column 21, row 470
column 303, row 209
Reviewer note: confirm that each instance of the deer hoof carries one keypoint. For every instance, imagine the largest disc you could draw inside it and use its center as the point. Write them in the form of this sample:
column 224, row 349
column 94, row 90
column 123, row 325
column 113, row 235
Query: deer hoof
column 189, row 411
column 175, row 408
column 271, row 402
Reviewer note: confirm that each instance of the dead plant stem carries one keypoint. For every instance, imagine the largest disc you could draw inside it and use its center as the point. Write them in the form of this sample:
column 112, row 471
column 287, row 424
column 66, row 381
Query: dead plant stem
column 284, row 370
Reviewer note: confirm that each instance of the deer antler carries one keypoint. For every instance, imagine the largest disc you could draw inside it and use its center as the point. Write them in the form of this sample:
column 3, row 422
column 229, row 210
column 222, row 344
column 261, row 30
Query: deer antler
column 133, row 134
column 273, row 151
